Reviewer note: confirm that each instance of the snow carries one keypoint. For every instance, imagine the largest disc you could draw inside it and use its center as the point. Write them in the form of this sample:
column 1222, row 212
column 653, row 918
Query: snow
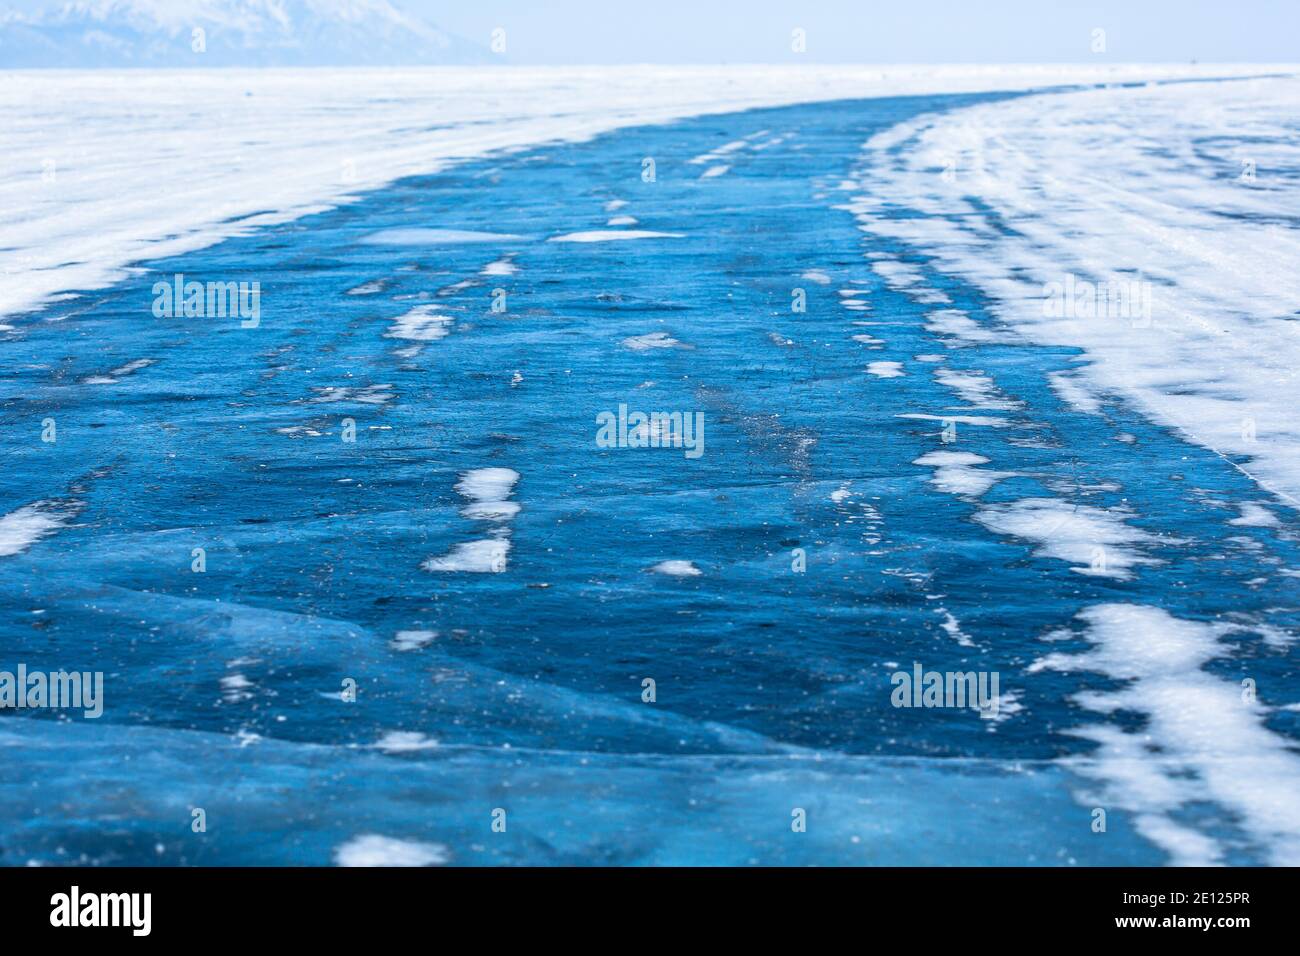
column 95, row 178
column 421, row 324
column 371, row 849
column 1254, row 516
column 413, row 640
column 959, row 325
column 956, row 472
column 1201, row 741
column 677, row 568
column 487, row 490
column 1098, row 541
column 22, row 528
column 487, row 556
column 405, row 741
column 974, row 389
column 1210, row 229
column 952, row 627
column 981, row 420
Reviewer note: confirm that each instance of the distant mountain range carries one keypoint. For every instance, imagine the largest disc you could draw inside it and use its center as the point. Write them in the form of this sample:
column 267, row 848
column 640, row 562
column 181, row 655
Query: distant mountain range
column 211, row 33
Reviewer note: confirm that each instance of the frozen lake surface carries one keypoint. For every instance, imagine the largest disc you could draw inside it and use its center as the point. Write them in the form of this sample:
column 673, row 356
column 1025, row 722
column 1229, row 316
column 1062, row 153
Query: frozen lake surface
column 897, row 474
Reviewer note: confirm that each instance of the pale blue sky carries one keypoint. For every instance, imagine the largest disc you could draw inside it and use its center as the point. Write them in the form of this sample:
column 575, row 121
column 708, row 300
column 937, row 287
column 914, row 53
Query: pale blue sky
column 877, row 31
column 867, row 31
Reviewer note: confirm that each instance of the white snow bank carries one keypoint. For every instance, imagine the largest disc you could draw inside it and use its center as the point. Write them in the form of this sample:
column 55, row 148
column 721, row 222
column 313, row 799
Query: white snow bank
column 1183, row 194
column 105, row 168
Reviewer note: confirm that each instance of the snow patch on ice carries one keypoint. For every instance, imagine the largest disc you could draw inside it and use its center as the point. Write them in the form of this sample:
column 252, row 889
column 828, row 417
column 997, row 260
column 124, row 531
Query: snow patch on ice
column 21, row 529
column 1200, row 741
column 371, row 849
column 501, row 267
column 677, row 568
column 974, row 389
column 1095, row 540
column 956, row 472
column 983, row 420
column 112, row 378
column 413, row 640
column 488, row 490
column 1254, row 516
column 487, row 556
column 404, row 741
column 952, row 628
column 423, row 323
column 885, row 369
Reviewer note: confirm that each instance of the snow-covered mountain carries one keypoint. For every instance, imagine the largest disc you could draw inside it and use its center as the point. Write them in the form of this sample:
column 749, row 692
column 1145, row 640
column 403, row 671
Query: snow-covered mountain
column 208, row 33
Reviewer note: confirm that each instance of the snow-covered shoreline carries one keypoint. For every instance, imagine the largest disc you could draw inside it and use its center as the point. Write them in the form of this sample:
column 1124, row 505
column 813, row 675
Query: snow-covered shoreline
column 107, row 168
column 1186, row 190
